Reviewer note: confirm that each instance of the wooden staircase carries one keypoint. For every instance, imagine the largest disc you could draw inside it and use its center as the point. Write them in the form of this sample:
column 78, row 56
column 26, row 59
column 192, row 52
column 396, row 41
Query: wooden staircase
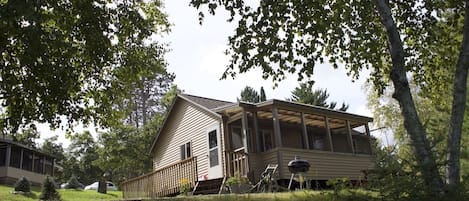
column 212, row 186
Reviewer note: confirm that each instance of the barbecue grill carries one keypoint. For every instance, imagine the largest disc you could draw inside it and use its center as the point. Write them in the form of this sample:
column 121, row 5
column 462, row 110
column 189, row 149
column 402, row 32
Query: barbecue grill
column 297, row 166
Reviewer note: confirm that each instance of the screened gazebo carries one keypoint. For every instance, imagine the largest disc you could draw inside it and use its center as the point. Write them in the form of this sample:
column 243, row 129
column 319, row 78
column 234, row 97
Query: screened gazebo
column 17, row 160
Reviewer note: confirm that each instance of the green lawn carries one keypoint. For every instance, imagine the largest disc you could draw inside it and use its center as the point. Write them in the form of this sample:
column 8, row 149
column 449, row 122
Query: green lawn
column 67, row 195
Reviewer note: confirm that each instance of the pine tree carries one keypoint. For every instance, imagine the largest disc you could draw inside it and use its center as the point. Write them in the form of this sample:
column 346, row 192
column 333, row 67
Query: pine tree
column 262, row 96
column 48, row 190
column 23, row 185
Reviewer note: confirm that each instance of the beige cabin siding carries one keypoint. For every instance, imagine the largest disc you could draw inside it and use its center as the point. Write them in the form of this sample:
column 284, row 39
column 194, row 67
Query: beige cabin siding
column 186, row 123
column 328, row 165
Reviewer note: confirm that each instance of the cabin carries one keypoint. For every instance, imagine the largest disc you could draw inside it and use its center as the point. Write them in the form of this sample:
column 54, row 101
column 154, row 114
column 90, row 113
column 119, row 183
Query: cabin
column 204, row 139
column 17, row 160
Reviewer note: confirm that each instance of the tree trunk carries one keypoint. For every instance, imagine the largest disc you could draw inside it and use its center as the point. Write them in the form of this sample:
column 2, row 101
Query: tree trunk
column 459, row 106
column 402, row 94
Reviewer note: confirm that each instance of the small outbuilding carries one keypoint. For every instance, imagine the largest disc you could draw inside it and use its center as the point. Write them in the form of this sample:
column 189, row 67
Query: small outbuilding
column 17, row 160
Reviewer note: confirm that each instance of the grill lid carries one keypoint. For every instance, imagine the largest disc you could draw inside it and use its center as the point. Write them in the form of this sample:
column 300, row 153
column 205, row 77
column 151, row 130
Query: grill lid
column 298, row 165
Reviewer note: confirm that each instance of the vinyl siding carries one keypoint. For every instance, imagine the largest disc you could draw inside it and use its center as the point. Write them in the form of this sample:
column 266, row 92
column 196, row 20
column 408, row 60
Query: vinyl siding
column 186, row 123
column 328, row 165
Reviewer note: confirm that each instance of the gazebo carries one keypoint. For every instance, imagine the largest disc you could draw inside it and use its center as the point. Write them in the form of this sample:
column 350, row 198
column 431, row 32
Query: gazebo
column 17, row 160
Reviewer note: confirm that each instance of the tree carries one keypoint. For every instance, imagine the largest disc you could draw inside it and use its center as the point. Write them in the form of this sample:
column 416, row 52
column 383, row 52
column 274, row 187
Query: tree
column 82, row 152
column 305, row 94
column 52, row 147
column 394, row 38
column 27, row 136
column 249, row 94
column 262, row 96
column 70, row 58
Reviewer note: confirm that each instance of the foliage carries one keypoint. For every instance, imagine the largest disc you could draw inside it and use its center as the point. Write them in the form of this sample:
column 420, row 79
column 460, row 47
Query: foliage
column 71, row 58
column 73, row 183
column 393, row 38
column 52, row 147
column 339, row 184
column 184, row 186
column 27, row 136
column 249, row 94
column 82, row 151
column 23, row 185
column 237, row 179
column 305, row 94
column 48, row 190
column 262, row 96
column 168, row 98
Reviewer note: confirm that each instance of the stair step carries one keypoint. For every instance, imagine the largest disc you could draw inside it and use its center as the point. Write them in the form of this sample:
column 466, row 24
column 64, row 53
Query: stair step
column 208, row 186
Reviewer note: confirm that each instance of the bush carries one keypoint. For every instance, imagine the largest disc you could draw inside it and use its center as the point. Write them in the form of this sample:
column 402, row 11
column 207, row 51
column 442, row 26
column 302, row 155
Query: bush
column 48, row 190
column 73, row 183
column 23, row 185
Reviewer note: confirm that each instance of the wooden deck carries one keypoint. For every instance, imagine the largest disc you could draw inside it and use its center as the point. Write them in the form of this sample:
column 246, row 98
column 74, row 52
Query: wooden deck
column 161, row 182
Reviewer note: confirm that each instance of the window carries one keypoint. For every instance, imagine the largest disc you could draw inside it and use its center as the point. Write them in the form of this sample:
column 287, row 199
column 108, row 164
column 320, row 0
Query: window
column 213, row 148
column 185, row 151
column 38, row 163
column 48, row 166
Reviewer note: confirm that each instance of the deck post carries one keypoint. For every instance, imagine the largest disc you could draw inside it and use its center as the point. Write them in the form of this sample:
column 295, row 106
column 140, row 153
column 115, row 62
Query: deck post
column 367, row 128
column 244, row 124
column 328, row 134
column 349, row 136
column 246, row 140
column 257, row 137
column 305, row 131
column 277, row 134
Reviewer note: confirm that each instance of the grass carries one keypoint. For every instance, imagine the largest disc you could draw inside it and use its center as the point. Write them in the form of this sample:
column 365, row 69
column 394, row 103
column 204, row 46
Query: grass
column 66, row 195
column 306, row 195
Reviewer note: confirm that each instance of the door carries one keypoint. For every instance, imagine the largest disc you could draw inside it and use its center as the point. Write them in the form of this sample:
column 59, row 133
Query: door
column 214, row 155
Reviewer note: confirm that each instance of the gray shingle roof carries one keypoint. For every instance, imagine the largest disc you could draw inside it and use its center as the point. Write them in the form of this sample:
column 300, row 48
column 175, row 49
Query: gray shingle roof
column 207, row 102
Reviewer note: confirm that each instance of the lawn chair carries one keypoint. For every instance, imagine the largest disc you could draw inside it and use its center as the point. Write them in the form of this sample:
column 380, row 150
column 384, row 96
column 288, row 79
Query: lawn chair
column 267, row 181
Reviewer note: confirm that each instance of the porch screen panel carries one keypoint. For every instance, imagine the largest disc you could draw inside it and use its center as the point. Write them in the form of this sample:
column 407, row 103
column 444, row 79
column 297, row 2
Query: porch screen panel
column 317, row 138
column 361, row 141
column 48, row 166
column 3, row 154
column 15, row 157
column 237, row 137
column 339, row 132
column 27, row 160
column 38, row 163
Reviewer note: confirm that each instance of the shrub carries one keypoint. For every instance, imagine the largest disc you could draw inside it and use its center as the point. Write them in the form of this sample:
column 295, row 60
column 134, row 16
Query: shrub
column 184, row 186
column 23, row 185
column 237, row 180
column 48, row 190
column 73, row 183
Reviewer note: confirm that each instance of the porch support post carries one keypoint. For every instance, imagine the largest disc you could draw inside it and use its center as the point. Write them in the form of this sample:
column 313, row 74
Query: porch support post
column 32, row 166
column 349, row 136
column 328, row 134
column 367, row 128
column 277, row 134
column 256, row 132
column 305, row 132
column 8, row 156
column 21, row 159
column 246, row 141
column 244, row 124
column 44, row 165
column 278, row 140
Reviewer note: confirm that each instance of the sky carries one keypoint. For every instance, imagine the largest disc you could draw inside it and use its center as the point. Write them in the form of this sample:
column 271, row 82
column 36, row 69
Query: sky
column 197, row 59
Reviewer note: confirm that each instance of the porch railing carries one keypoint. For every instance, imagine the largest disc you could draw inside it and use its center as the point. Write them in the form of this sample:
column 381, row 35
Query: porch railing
column 161, row 182
column 239, row 162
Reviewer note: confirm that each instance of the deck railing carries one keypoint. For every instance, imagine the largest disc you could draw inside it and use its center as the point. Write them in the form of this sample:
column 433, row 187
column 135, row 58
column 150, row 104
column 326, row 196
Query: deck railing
column 161, row 182
column 239, row 162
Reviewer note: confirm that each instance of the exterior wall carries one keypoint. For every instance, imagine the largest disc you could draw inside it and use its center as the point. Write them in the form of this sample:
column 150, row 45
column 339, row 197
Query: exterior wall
column 186, row 123
column 328, row 165
column 9, row 174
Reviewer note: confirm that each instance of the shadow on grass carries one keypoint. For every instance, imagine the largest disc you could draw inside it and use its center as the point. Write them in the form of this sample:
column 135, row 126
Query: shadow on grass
column 28, row 195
